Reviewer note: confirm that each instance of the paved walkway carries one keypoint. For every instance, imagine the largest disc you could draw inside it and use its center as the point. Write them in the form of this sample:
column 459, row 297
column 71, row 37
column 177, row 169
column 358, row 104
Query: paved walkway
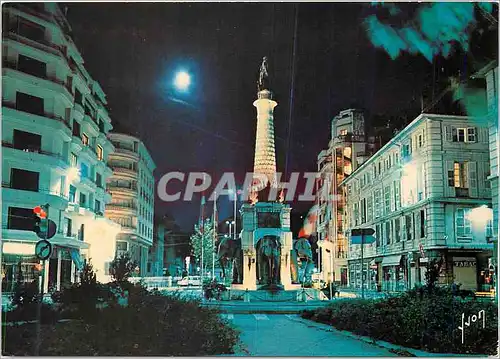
column 288, row 335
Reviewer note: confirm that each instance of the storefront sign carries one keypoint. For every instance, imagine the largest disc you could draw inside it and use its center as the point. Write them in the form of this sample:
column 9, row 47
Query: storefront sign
column 464, row 262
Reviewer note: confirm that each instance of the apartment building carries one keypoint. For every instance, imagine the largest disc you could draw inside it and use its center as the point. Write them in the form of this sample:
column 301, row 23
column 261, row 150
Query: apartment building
column 132, row 197
column 54, row 144
column 425, row 193
column 348, row 148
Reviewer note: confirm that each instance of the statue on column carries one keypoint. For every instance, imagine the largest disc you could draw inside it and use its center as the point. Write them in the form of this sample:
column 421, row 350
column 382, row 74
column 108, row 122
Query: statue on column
column 263, row 82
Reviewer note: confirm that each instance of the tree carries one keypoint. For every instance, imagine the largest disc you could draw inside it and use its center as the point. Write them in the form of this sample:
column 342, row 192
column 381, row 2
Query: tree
column 204, row 235
column 122, row 267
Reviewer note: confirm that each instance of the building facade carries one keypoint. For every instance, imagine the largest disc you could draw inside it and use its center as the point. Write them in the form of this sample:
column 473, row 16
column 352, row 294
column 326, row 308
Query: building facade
column 490, row 74
column 54, row 144
column 132, row 197
column 348, row 148
column 424, row 193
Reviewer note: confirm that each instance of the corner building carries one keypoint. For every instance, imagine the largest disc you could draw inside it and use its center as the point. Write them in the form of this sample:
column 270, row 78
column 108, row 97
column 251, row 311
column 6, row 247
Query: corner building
column 132, row 190
column 55, row 149
column 348, row 148
column 424, row 193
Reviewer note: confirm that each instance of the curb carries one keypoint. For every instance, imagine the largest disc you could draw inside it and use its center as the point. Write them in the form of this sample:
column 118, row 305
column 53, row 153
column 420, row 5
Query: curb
column 383, row 344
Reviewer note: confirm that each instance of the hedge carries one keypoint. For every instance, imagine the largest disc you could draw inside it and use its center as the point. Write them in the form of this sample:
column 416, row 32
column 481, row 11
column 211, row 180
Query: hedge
column 155, row 325
column 425, row 321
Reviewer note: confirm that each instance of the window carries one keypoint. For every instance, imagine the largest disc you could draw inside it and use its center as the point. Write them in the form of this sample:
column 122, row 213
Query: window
column 121, row 246
column 388, row 232
column 73, row 159
column 489, row 229
column 397, row 229
column 99, row 152
column 387, row 199
column 27, row 141
column 24, row 180
column 67, row 227
column 343, row 132
column 72, row 193
column 422, row 223
column 465, row 134
column 78, row 97
column 97, row 207
column 101, row 125
column 81, row 232
column 377, row 203
column 363, row 211
column 420, row 140
column 459, row 178
column 83, row 199
column 30, row 104
column 409, row 228
column 98, row 179
column 30, row 30
column 85, row 139
column 76, row 129
column 471, row 134
column 84, row 170
column 31, row 66
column 397, row 195
column 20, row 218
column 405, row 151
column 369, row 208
column 462, row 223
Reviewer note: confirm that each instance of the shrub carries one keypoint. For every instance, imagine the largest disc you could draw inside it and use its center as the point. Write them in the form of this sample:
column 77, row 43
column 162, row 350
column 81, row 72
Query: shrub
column 158, row 325
column 28, row 313
column 122, row 268
column 418, row 319
column 25, row 293
column 212, row 289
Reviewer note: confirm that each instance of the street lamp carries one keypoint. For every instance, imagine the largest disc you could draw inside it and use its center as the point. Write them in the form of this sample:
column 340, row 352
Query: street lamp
column 182, row 81
column 229, row 223
column 235, row 192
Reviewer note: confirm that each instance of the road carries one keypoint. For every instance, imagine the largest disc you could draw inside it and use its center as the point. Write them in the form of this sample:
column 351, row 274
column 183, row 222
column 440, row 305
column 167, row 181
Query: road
column 288, row 335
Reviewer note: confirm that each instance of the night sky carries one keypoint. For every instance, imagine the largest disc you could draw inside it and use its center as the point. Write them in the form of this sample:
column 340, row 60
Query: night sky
column 134, row 49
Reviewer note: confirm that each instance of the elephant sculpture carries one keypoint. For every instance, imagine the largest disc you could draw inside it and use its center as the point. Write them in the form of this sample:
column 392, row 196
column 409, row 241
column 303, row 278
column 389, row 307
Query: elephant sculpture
column 301, row 252
column 230, row 250
column 268, row 260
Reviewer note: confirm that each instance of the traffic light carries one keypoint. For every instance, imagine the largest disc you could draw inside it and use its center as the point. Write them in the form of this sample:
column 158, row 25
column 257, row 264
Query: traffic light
column 43, row 226
column 41, row 220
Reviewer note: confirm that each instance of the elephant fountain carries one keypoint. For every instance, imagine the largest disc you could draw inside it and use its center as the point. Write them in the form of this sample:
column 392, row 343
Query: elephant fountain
column 230, row 250
column 268, row 261
column 301, row 252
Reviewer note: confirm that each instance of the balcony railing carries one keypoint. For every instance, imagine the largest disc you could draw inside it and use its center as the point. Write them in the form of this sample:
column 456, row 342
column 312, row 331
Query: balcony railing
column 123, row 170
column 33, row 150
column 12, row 105
column 14, row 67
column 43, row 45
column 39, row 190
column 118, row 206
column 126, row 151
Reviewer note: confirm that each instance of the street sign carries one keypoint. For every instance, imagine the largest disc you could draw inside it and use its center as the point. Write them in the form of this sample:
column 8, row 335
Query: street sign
column 358, row 232
column 362, row 239
column 43, row 249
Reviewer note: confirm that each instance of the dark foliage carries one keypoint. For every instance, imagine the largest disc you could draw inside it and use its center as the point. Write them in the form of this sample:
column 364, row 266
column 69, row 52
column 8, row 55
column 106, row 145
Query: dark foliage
column 156, row 325
column 418, row 319
column 213, row 289
column 122, row 268
column 24, row 294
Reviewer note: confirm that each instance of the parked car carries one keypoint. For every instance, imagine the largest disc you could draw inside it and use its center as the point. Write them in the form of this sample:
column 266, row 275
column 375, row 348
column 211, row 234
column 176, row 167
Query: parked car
column 194, row 280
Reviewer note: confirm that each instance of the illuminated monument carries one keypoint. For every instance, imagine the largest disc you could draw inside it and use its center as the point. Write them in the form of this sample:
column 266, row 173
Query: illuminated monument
column 265, row 158
column 264, row 255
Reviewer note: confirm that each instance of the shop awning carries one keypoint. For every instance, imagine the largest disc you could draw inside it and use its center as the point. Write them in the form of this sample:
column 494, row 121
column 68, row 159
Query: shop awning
column 391, row 261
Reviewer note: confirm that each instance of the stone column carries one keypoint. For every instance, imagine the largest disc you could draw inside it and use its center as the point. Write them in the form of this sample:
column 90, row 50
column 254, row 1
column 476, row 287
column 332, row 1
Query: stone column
column 249, row 261
column 286, row 247
column 59, row 262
